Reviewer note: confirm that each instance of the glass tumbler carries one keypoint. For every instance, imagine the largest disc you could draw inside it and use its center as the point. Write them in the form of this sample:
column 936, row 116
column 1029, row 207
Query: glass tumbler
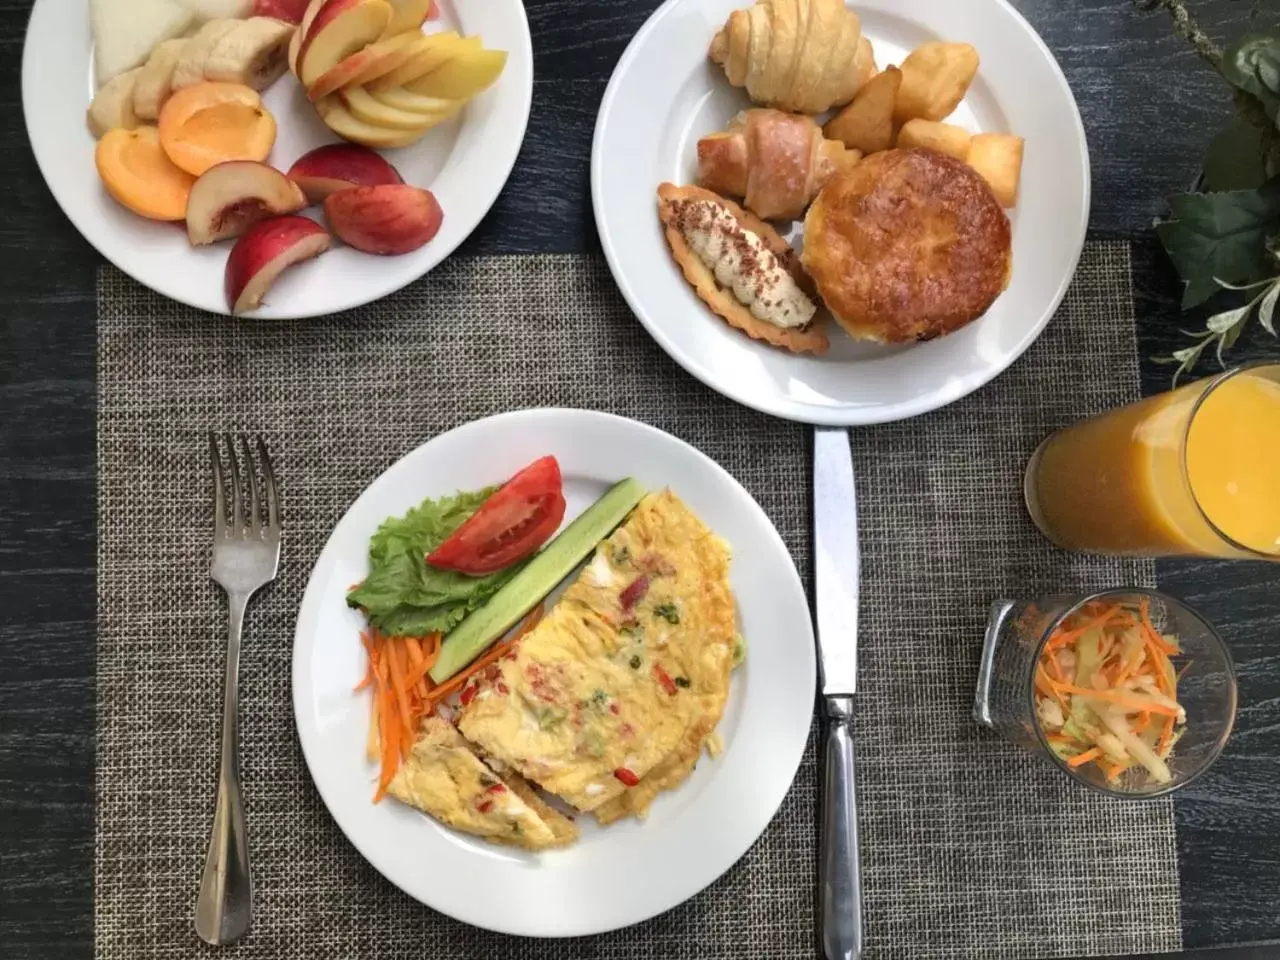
column 1017, row 632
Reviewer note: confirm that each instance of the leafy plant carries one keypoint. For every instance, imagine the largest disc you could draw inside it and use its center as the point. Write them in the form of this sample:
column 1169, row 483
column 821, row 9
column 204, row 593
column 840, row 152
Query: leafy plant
column 1224, row 237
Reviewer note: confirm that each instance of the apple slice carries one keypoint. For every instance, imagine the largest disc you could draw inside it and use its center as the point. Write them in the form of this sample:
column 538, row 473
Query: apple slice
column 230, row 198
column 434, row 49
column 264, row 252
column 341, row 28
column 408, row 15
column 341, row 121
column 295, row 45
column 463, row 76
column 403, row 98
column 375, row 60
column 339, row 166
column 366, row 108
column 290, row 11
column 386, row 220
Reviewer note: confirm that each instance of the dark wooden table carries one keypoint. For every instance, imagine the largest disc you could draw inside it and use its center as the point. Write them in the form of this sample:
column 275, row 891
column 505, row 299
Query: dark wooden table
column 1149, row 106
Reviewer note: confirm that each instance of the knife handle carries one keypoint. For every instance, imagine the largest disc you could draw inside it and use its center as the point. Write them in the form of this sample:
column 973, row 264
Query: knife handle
column 839, row 877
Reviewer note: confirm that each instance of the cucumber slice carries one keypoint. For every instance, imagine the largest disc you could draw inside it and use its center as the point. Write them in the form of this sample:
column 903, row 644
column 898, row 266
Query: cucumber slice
column 527, row 588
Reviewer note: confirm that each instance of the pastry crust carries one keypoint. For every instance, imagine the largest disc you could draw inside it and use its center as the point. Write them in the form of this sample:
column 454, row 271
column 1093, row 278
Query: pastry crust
column 809, row 339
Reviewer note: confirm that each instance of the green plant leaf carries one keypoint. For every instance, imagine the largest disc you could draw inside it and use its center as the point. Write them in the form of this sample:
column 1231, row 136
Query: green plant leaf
column 1236, row 158
column 1266, row 311
column 1227, row 320
column 1221, row 235
column 1252, row 64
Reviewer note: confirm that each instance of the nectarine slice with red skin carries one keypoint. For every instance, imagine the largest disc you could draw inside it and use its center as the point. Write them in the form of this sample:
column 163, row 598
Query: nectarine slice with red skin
column 230, row 198
column 210, row 123
column 374, row 61
column 265, row 251
column 386, row 220
column 290, row 11
column 340, row 28
column 140, row 176
column 340, row 166
column 295, row 45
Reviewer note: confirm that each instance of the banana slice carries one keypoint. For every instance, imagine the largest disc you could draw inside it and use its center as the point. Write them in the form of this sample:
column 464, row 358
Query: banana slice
column 199, row 49
column 254, row 52
column 113, row 105
column 155, row 80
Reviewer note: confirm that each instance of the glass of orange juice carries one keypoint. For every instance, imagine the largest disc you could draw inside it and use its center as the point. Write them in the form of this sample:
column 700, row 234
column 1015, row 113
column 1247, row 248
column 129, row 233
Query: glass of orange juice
column 1195, row 471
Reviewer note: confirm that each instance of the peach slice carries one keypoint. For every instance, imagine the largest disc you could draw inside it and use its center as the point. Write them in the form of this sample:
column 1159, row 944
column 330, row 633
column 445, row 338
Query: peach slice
column 340, row 120
column 233, row 196
column 386, row 220
column 295, row 45
column 140, row 176
column 408, row 15
column 463, row 76
column 338, row 166
column 434, row 49
column 403, row 98
column 375, row 112
column 341, row 28
column 264, row 252
column 375, row 60
column 210, row 123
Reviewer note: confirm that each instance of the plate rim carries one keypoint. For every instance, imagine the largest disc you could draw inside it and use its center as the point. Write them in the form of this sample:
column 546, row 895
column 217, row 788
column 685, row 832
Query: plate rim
column 80, row 218
column 313, row 595
column 798, row 411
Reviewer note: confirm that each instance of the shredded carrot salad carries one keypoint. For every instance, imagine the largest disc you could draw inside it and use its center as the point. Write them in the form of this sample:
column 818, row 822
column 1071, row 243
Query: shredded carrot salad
column 403, row 692
column 1106, row 691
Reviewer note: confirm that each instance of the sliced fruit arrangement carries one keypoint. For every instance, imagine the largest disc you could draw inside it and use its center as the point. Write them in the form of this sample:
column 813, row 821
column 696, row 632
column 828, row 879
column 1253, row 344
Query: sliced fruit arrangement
column 140, row 176
column 235, row 195
column 264, row 252
column 376, row 79
column 211, row 123
column 326, row 170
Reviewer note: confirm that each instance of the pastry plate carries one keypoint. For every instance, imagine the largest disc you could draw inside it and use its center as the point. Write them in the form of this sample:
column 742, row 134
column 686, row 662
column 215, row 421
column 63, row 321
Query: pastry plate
column 464, row 162
column 617, row 875
column 665, row 94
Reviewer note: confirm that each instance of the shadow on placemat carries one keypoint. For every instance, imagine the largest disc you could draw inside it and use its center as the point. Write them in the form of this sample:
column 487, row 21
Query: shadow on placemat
column 968, row 846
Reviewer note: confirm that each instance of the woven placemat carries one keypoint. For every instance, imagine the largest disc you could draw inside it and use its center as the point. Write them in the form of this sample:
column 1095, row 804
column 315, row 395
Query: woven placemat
column 969, row 846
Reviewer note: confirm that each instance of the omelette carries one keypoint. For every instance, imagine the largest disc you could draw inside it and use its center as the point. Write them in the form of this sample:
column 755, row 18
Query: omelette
column 611, row 698
column 444, row 778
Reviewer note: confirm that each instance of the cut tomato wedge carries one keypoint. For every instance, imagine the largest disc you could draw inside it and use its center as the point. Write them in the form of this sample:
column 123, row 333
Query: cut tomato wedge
column 509, row 526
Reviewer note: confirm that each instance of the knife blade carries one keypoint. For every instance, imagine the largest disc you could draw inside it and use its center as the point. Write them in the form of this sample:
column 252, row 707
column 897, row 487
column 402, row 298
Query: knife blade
column 836, row 576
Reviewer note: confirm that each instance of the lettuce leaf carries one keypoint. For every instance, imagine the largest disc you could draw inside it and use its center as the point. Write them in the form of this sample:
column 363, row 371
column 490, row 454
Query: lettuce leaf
column 403, row 595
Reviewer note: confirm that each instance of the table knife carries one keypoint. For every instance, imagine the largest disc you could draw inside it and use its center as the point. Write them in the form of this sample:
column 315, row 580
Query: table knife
column 835, row 564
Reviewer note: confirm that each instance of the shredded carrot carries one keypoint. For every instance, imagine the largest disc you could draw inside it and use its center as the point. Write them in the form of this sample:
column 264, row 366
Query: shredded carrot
column 1049, row 688
column 1131, row 701
column 1163, row 645
column 1144, row 721
column 1113, row 770
column 1080, row 759
column 1166, row 736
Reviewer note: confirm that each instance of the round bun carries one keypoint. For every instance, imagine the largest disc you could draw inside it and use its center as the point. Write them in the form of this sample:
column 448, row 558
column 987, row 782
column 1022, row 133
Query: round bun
column 907, row 245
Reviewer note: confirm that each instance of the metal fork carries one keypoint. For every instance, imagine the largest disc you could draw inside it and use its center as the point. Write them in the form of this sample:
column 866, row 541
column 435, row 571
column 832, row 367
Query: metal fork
column 246, row 556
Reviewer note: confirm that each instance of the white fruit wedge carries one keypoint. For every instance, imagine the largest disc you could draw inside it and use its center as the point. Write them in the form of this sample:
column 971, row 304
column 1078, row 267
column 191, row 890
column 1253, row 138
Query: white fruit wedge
column 295, row 45
column 341, row 28
column 230, row 198
column 155, row 81
column 254, row 53
column 196, row 54
column 405, row 99
column 266, row 251
column 365, row 107
column 463, row 76
column 434, row 50
column 407, row 15
column 113, row 105
column 126, row 31
column 346, row 125
column 374, row 61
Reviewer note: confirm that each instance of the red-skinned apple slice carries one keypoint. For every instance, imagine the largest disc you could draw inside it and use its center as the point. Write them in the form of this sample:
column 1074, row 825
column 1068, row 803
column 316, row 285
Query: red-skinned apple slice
column 408, row 15
column 339, row 166
column 386, row 220
column 266, row 251
column 340, row 28
column 375, row 60
column 230, row 198
column 295, row 45
column 290, row 11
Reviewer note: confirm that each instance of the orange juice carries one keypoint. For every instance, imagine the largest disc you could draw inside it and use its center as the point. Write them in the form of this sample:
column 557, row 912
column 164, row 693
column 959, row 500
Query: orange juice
column 1194, row 471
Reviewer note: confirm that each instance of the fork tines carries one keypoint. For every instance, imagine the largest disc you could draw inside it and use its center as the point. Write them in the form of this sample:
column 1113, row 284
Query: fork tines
column 247, row 516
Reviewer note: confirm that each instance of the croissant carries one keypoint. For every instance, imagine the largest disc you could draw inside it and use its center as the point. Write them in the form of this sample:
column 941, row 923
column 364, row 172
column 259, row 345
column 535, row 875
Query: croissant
column 805, row 56
column 776, row 161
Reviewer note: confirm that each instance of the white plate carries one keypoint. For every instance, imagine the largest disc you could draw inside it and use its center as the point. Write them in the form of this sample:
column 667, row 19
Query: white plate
column 465, row 163
column 613, row 876
column 665, row 94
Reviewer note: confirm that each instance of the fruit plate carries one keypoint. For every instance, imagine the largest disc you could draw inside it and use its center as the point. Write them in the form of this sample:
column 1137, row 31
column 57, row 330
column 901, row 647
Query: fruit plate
column 665, row 94
column 694, row 833
column 464, row 162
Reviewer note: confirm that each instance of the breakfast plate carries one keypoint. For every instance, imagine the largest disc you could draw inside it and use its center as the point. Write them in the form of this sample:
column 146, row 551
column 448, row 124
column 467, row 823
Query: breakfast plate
column 665, row 94
column 693, row 832
column 465, row 162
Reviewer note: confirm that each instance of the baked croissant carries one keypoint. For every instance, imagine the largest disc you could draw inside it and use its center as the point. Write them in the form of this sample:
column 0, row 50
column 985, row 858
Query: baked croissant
column 777, row 162
column 797, row 55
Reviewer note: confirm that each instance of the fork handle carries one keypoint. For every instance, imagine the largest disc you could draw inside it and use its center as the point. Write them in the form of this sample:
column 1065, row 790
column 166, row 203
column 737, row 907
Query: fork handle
column 223, row 907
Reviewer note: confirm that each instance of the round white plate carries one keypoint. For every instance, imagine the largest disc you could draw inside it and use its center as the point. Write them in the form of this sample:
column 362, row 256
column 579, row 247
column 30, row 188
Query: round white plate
column 694, row 833
column 665, row 94
column 465, row 163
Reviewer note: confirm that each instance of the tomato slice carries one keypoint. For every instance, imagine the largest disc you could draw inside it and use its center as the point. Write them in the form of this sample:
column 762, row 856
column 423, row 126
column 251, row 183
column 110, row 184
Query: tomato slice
column 509, row 526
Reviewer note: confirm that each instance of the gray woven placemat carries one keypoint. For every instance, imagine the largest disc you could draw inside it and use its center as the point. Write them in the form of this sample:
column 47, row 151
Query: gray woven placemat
column 969, row 846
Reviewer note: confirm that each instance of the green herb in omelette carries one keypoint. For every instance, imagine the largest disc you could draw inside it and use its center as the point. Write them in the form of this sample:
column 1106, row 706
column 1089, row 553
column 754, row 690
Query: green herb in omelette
column 667, row 612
